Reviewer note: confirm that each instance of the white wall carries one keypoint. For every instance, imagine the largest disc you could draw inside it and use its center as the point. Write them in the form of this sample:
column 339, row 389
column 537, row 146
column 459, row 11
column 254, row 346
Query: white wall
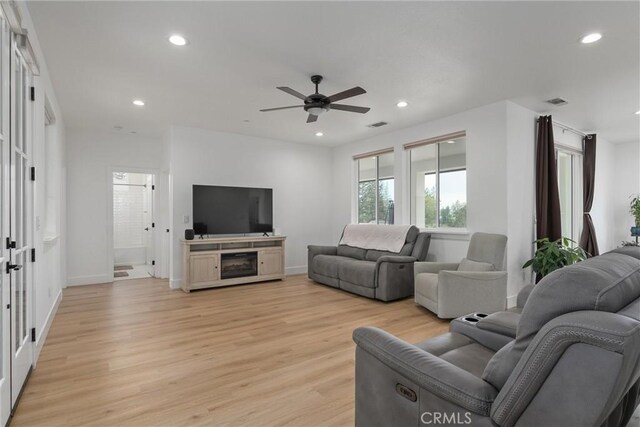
column 486, row 175
column 605, row 187
column 625, row 179
column 300, row 176
column 91, row 157
column 521, row 134
column 49, row 269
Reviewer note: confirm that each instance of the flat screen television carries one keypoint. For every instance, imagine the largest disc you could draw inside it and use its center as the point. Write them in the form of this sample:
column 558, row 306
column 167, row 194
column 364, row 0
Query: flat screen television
column 232, row 210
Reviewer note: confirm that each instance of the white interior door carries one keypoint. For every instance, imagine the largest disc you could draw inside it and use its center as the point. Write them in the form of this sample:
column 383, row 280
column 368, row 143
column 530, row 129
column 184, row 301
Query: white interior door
column 5, row 322
column 150, row 229
column 20, row 224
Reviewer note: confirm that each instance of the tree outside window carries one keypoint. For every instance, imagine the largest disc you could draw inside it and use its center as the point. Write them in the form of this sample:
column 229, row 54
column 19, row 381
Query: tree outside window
column 439, row 185
column 376, row 189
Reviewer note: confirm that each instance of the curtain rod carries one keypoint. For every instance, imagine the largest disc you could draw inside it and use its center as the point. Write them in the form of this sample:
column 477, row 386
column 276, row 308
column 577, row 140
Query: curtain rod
column 569, row 128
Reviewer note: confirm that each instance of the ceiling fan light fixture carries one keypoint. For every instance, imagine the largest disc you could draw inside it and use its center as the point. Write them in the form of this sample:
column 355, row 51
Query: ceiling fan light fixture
column 316, row 111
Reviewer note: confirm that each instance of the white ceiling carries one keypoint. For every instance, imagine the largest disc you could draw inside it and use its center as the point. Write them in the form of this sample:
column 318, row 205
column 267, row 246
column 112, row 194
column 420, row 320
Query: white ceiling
column 442, row 57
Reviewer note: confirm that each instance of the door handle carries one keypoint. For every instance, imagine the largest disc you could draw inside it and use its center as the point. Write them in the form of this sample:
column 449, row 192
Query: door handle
column 15, row 267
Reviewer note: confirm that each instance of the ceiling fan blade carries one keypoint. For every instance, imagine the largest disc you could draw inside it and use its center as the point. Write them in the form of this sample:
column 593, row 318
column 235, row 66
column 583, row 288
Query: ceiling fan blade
column 311, row 118
column 292, row 92
column 354, row 91
column 351, row 108
column 281, row 108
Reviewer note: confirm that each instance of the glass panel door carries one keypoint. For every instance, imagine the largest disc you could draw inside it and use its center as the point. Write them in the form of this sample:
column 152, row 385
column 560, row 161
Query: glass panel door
column 5, row 322
column 20, row 224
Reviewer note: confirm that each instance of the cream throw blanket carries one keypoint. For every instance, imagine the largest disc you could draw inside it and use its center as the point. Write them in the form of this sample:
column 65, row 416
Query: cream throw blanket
column 373, row 236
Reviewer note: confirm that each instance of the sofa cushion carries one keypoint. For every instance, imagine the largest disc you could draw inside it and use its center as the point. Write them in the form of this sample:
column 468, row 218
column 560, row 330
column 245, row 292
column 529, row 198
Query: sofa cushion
column 607, row 282
column 487, row 247
column 426, row 284
column 326, row 265
column 469, row 265
column 632, row 310
column 412, row 234
column 421, row 246
column 460, row 351
column 358, row 272
column 633, row 251
column 373, row 254
column 351, row 252
column 502, row 322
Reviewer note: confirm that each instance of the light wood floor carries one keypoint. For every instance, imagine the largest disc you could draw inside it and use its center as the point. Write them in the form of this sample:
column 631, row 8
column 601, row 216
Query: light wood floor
column 136, row 353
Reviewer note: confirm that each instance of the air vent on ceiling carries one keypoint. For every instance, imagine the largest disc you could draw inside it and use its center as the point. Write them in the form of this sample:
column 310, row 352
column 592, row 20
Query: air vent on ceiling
column 557, row 101
column 378, row 124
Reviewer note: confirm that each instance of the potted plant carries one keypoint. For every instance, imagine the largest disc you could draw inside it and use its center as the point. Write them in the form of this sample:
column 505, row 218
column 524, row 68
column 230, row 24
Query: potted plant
column 552, row 256
column 634, row 209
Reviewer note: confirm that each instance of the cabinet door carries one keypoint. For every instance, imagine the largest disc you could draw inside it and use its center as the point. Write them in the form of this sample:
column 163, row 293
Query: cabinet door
column 203, row 268
column 270, row 263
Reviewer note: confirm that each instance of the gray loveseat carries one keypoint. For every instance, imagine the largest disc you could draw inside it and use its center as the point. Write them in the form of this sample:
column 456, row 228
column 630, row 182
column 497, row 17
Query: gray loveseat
column 574, row 361
column 382, row 275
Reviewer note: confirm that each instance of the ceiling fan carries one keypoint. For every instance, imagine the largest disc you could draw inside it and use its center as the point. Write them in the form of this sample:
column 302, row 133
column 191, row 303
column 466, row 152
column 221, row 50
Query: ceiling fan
column 317, row 103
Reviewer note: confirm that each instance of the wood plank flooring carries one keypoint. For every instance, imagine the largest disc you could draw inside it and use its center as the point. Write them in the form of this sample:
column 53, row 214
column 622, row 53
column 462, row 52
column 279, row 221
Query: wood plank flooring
column 136, row 353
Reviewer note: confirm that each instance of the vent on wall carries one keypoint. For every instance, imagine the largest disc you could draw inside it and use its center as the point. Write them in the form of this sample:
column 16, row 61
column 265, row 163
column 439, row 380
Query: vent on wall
column 377, row 124
column 557, row 101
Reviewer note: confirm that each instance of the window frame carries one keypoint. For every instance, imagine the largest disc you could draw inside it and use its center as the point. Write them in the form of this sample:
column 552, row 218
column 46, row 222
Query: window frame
column 376, row 155
column 576, row 188
column 437, row 141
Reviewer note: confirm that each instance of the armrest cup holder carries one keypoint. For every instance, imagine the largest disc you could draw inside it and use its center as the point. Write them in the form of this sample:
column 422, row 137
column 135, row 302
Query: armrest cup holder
column 468, row 325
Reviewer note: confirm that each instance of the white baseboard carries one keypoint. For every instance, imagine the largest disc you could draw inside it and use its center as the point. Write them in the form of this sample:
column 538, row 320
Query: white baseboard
column 290, row 271
column 42, row 336
column 175, row 283
column 512, row 301
column 89, row 280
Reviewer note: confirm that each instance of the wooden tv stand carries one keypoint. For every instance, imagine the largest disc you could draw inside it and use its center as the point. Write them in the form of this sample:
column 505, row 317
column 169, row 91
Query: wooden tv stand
column 226, row 261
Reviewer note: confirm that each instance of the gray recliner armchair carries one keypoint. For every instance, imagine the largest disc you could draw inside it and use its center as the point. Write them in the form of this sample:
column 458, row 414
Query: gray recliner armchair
column 575, row 359
column 478, row 282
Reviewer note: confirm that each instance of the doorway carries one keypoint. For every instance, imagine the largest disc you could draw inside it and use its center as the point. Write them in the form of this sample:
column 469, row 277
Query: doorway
column 133, row 226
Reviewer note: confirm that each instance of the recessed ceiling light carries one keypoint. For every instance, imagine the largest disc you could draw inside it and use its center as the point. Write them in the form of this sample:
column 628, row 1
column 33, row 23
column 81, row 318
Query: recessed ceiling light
column 178, row 40
column 402, row 104
column 591, row 38
column 638, row 112
column 319, row 133
column 138, row 102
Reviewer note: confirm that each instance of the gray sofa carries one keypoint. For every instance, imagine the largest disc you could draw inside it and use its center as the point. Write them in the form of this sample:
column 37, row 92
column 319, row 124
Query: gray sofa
column 574, row 361
column 382, row 275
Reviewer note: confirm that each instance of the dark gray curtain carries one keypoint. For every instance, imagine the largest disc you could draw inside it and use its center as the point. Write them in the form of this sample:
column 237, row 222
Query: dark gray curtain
column 588, row 240
column 549, row 222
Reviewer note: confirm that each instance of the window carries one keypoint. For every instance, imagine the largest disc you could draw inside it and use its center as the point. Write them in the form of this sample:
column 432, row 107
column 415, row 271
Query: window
column 569, row 165
column 375, row 189
column 439, row 183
